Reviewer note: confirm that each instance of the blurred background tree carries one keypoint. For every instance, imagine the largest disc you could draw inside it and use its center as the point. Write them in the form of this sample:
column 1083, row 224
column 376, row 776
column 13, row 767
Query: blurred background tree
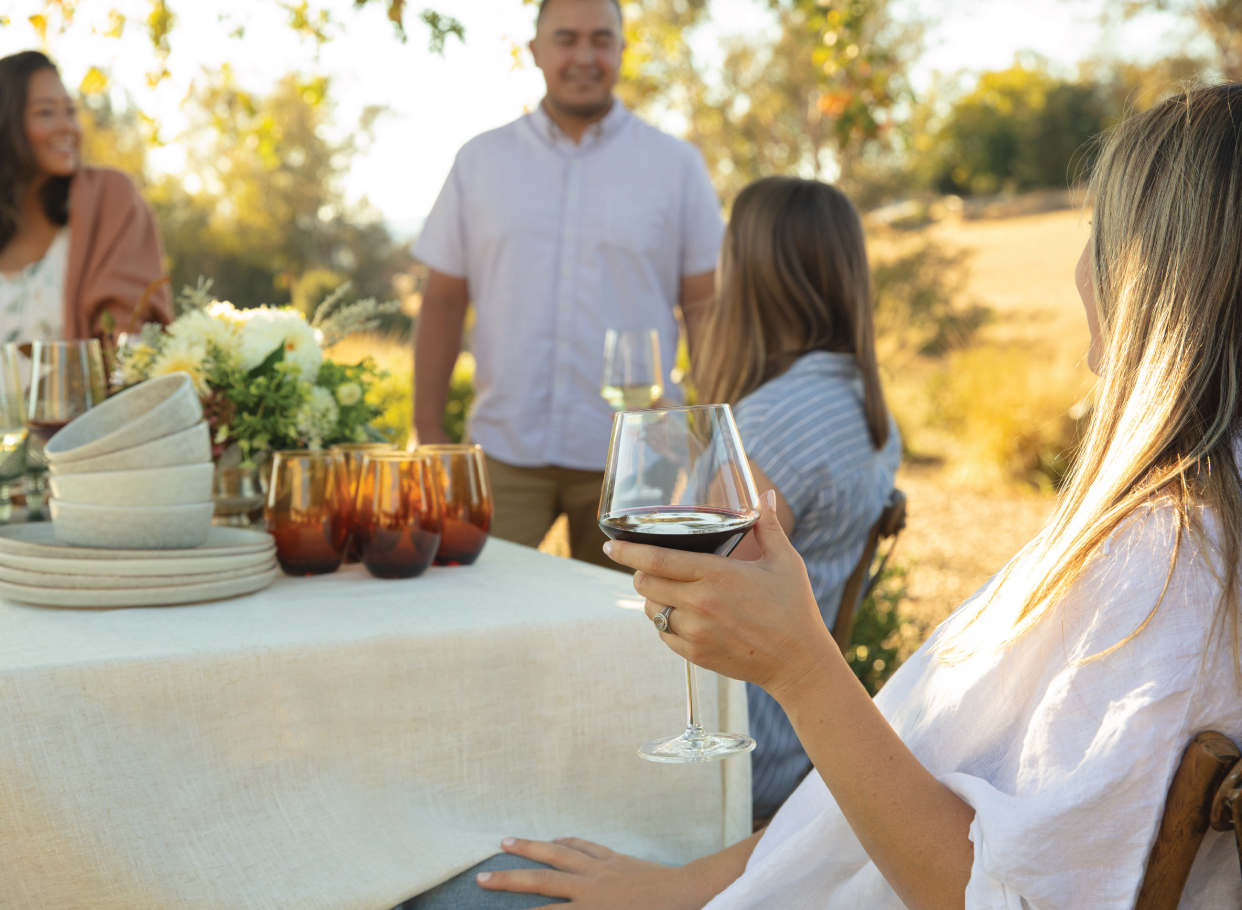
column 1018, row 129
column 264, row 214
column 821, row 100
column 260, row 209
column 1219, row 20
column 312, row 21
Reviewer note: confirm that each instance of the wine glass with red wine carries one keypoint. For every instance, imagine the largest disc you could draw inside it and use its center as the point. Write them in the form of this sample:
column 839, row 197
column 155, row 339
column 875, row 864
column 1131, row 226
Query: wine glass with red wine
column 678, row 478
column 66, row 380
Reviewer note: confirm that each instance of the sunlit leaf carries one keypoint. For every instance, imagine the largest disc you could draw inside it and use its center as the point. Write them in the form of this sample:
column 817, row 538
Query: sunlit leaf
column 39, row 23
column 94, row 82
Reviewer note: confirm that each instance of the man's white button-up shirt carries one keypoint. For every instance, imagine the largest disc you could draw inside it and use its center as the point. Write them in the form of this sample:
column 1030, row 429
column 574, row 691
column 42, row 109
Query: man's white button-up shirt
column 559, row 242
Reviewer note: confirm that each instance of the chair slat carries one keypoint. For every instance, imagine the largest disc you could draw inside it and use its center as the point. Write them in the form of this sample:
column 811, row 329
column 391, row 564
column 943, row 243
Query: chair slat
column 1187, row 815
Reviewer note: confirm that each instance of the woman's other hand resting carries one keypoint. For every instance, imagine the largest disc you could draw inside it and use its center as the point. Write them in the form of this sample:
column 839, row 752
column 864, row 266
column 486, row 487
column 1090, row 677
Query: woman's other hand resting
column 592, row 877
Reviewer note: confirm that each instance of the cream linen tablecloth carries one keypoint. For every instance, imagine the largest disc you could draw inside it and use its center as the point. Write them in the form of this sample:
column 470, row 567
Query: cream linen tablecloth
column 343, row 742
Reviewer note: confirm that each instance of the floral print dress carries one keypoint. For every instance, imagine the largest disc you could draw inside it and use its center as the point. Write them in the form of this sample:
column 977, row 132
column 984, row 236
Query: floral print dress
column 32, row 299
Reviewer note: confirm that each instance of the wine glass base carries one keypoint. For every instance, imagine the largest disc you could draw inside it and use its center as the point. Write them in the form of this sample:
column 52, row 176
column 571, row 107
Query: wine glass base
column 681, row 749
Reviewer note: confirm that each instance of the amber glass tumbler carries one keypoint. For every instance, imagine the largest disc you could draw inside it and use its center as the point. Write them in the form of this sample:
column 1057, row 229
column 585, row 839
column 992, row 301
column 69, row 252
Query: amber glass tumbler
column 353, row 453
column 307, row 510
column 397, row 515
column 461, row 473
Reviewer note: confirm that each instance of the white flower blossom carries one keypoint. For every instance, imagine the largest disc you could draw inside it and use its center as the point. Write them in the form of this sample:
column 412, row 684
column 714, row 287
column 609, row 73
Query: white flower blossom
column 222, row 309
column 348, row 393
column 317, row 417
column 268, row 328
column 202, row 327
column 136, row 363
column 185, row 356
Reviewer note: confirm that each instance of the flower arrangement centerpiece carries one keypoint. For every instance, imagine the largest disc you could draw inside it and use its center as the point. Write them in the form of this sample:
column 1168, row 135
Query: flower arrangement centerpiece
column 261, row 373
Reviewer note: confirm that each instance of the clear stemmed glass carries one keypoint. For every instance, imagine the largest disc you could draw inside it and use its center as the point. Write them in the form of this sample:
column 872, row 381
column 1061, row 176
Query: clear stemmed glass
column 66, row 380
column 678, row 478
column 12, row 427
column 632, row 374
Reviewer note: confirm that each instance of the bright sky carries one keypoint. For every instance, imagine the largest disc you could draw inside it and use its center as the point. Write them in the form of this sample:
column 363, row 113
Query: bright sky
column 437, row 103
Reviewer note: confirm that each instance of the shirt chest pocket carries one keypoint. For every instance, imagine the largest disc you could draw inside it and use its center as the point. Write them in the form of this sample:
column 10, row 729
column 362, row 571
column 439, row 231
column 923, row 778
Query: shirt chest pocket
column 638, row 221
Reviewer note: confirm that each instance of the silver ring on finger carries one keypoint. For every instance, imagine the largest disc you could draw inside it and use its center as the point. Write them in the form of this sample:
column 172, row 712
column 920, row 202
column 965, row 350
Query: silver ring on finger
column 661, row 621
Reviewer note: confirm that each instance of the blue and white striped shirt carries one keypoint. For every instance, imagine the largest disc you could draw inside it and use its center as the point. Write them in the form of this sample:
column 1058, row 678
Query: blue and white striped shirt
column 807, row 431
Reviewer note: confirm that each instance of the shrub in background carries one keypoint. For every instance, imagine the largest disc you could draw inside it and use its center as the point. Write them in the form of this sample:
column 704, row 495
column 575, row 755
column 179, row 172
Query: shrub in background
column 874, row 646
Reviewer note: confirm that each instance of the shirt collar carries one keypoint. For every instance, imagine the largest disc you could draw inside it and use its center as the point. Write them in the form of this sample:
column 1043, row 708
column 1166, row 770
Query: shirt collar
column 596, row 133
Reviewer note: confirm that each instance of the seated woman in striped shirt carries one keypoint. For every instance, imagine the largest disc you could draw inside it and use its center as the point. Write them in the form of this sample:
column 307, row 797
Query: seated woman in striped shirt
column 791, row 346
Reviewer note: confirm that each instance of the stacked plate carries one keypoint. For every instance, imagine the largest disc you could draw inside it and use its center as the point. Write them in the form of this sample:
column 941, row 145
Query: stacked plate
column 36, row 568
column 135, row 472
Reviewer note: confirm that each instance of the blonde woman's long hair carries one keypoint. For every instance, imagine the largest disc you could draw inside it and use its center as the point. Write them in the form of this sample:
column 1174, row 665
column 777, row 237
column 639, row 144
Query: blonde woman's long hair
column 793, row 278
column 1166, row 268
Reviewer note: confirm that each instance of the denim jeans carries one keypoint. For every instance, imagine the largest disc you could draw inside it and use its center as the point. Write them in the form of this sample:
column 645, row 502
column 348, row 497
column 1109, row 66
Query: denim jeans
column 463, row 893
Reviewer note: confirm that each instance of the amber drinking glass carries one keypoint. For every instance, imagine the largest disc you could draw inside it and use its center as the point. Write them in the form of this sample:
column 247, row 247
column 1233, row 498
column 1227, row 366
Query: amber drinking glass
column 353, row 453
column 397, row 515
column 461, row 473
column 307, row 509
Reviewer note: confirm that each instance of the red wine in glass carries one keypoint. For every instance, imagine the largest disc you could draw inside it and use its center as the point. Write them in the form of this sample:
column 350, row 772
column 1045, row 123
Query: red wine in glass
column 696, row 530
column 46, row 429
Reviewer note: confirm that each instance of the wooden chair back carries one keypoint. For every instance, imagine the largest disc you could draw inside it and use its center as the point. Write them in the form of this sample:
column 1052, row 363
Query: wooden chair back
column 1206, row 793
column 861, row 582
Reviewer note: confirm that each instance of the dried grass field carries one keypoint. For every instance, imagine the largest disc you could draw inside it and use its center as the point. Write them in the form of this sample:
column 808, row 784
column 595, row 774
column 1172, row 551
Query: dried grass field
column 966, row 518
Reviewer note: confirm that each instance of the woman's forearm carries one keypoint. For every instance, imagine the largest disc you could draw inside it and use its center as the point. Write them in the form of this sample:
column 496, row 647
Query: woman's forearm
column 912, row 826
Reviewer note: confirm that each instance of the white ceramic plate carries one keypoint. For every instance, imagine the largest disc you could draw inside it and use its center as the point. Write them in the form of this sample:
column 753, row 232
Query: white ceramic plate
column 114, row 582
column 38, row 540
column 147, row 568
column 136, row 597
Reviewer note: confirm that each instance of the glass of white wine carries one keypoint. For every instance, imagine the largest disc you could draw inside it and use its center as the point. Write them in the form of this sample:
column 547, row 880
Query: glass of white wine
column 12, row 428
column 633, row 378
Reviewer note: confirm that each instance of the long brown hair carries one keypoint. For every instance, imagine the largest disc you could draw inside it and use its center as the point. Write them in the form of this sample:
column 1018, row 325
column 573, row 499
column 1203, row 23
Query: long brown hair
column 793, row 278
column 1166, row 268
column 18, row 168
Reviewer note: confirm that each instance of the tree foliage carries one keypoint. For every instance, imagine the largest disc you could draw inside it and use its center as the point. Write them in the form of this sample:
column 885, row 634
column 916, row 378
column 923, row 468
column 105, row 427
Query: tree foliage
column 1024, row 128
column 818, row 101
column 1219, row 20
column 1019, row 129
column 260, row 209
column 312, row 21
column 264, row 214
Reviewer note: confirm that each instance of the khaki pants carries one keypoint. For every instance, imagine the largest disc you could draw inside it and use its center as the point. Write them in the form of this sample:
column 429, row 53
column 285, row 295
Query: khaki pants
column 529, row 500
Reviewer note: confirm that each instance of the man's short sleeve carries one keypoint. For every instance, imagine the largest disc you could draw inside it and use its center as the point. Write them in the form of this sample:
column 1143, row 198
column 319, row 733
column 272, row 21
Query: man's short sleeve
column 442, row 241
column 702, row 229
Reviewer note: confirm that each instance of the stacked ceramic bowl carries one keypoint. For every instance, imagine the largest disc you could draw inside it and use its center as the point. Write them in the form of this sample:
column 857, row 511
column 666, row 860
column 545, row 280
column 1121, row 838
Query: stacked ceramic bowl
column 134, row 472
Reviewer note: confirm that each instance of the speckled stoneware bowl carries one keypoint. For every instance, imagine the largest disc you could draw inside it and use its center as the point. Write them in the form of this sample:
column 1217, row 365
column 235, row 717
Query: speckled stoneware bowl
column 192, row 446
column 131, row 527
column 150, row 410
column 172, row 486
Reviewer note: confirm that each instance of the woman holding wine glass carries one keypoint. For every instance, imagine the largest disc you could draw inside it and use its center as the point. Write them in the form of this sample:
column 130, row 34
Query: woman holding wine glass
column 1022, row 756
column 80, row 252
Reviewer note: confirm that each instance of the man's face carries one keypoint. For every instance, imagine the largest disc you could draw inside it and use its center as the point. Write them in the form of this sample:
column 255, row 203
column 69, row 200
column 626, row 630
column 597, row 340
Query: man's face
column 578, row 46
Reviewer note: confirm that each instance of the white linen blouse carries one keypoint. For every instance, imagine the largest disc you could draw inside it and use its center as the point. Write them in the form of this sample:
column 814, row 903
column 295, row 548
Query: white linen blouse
column 32, row 299
column 1066, row 762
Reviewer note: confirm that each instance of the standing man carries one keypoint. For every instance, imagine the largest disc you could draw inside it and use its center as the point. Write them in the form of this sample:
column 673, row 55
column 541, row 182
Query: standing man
column 573, row 219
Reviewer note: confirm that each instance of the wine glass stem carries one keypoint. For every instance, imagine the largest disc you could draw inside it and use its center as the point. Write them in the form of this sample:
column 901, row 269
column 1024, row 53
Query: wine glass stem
column 694, row 722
